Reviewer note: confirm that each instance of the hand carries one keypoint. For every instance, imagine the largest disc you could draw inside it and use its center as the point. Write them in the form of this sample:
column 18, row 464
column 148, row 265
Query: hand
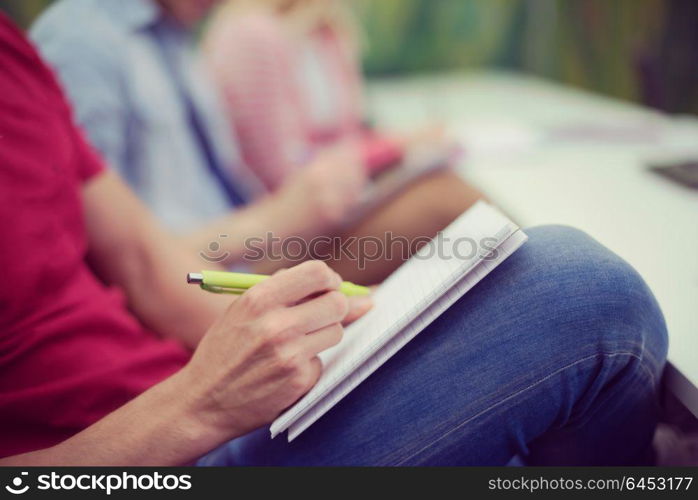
column 261, row 355
column 321, row 195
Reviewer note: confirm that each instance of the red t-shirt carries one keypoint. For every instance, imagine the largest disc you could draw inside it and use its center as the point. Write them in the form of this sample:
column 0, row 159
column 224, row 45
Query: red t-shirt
column 70, row 352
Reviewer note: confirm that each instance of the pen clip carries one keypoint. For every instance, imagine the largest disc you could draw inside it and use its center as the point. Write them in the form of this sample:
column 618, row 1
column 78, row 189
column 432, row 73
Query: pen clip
column 220, row 289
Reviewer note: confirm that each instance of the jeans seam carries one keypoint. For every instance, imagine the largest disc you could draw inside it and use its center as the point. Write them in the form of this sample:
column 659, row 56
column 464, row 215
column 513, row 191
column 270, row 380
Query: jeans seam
column 521, row 391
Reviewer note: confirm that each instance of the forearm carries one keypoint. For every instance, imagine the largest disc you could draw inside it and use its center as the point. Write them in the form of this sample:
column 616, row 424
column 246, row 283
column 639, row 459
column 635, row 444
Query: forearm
column 160, row 427
column 160, row 296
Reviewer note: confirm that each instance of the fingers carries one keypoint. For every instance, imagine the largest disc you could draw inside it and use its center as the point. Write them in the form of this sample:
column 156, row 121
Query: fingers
column 358, row 306
column 319, row 312
column 320, row 340
column 295, row 284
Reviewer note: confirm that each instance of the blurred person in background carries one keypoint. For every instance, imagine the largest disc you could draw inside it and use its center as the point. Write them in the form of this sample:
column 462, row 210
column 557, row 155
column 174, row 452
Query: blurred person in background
column 289, row 72
column 132, row 74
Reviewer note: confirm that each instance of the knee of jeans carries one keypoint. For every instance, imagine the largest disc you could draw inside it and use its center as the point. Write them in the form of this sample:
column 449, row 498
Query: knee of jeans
column 600, row 295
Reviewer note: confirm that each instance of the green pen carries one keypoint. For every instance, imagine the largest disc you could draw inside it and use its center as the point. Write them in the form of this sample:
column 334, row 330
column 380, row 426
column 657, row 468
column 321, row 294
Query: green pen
column 237, row 283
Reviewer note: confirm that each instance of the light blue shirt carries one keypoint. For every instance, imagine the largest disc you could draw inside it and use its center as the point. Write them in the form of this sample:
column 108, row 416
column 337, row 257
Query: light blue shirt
column 109, row 56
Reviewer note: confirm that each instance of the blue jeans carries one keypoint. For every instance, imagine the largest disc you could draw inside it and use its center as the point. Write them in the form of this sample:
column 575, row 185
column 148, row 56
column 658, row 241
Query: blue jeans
column 554, row 357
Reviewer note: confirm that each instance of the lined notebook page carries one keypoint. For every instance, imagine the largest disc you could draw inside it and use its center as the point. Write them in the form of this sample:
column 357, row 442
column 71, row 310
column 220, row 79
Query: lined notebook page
column 413, row 296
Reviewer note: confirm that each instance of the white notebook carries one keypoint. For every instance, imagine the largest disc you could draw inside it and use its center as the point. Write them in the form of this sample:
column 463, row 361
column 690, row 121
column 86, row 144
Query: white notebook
column 411, row 298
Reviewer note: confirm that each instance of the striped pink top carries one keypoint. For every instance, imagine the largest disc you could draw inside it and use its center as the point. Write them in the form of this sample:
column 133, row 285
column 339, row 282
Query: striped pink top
column 288, row 98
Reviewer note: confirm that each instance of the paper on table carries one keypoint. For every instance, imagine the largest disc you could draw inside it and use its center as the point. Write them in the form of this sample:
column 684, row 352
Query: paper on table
column 411, row 298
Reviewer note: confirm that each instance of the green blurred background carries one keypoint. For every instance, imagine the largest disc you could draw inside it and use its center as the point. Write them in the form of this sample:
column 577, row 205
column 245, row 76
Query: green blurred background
column 641, row 50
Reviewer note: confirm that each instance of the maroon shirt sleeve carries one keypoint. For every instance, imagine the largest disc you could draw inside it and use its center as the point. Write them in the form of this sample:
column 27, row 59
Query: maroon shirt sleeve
column 89, row 163
column 38, row 81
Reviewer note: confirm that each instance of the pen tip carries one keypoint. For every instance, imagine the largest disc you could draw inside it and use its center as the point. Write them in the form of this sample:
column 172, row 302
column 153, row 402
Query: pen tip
column 195, row 278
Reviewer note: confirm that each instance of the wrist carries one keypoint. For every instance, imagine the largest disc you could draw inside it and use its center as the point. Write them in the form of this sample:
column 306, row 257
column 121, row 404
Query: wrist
column 205, row 422
column 199, row 429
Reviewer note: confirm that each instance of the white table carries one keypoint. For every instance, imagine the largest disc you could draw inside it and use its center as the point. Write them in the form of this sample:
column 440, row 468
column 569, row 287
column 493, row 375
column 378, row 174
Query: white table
column 549, row 154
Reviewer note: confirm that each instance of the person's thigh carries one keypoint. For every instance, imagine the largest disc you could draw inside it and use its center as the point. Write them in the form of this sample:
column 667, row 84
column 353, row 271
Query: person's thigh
column 554, row 356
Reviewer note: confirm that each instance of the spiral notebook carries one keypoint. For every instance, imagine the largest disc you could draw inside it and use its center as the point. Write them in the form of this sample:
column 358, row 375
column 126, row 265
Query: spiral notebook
column 409, row 300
